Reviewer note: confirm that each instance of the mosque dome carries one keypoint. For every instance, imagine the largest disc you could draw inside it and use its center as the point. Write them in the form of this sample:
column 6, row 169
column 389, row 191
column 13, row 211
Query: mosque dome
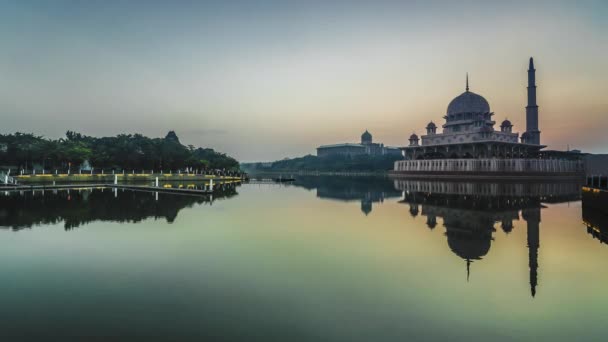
column 413, row 136
column 366, row 136
column 431, row 125
column 506, row 123
column 468, row 102
column 469, row 247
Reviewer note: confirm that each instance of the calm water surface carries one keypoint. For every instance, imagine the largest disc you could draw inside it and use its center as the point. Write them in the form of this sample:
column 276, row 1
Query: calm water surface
column 332, row 259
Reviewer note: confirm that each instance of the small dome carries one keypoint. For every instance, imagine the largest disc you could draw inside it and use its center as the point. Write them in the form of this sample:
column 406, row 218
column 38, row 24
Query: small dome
column 506, row 123
column 413, row 136
column 431, row 125
column 468, row 102
column 366, row 135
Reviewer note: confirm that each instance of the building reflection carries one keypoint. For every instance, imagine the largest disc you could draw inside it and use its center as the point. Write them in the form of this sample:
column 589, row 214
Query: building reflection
column 595, row 215
column 596, row 222
column 76, row 207
column 367, row 190
column 470, row 211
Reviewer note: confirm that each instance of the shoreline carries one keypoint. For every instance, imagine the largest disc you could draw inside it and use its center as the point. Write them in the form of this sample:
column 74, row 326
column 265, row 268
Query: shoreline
column 109, row 178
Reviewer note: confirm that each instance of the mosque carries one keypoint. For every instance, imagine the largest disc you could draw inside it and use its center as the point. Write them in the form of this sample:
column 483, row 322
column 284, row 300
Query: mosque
column 470, row 145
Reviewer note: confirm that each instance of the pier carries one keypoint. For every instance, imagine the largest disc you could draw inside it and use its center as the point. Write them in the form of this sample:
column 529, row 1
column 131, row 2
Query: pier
column 202, row 189
column 104, row 186
column 123, row 176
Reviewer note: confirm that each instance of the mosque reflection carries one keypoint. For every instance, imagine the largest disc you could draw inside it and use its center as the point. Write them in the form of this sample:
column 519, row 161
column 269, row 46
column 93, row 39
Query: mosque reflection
column 367, row 190
column 470, row 211
column 77, row 207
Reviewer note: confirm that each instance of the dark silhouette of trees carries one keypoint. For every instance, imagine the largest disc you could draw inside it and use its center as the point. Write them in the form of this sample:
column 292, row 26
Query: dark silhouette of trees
column 131, row 151
column 327, row 164
column 77, row 208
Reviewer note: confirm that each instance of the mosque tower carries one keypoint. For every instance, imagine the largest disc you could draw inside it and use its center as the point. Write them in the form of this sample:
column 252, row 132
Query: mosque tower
column 532, row 134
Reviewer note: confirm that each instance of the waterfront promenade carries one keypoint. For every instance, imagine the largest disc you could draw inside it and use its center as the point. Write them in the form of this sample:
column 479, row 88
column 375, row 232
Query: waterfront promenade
column 198, row 188
column 104, row 177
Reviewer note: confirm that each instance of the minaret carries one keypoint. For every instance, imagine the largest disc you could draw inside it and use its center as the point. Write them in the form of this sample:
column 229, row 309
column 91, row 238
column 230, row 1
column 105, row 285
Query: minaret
column 533, row 134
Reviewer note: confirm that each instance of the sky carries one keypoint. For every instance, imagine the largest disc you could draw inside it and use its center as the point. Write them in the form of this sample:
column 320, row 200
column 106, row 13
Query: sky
column 265, row 80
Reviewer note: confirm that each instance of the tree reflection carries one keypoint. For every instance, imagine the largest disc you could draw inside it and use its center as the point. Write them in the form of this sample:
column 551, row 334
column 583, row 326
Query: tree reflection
column 24, row 209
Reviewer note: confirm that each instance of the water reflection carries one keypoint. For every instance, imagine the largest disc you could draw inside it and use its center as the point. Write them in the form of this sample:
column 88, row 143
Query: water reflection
column 596, row 222
column 368, row 190
column 76, row 207
column 309, row 264
column 470, row 210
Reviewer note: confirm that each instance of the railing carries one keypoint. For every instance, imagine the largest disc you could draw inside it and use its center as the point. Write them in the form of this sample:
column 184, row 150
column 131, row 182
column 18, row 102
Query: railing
column 107, row 172
column 490, row 165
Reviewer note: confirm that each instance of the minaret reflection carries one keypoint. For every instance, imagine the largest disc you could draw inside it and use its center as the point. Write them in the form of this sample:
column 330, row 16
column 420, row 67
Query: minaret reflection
column 470, row 210
column 532, row 217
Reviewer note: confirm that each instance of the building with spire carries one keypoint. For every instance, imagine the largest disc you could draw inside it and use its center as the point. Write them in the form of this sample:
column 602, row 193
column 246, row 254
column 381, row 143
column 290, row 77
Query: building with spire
column 469, row 143
column 365, row 147
column 532, row 134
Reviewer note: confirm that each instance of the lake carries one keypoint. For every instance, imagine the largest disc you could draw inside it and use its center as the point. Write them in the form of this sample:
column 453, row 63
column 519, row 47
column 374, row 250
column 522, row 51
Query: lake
column 320, row 259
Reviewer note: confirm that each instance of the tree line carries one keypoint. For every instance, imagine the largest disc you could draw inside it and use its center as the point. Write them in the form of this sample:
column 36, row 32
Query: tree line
column 337, row 163
column 124, row 151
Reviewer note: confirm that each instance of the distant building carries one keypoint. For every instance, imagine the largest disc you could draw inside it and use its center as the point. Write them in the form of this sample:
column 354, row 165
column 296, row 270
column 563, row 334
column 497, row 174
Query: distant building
column 596, row 164
column 366, row 147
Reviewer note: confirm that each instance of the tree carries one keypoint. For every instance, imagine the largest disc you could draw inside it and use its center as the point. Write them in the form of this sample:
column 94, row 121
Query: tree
column 122, row 151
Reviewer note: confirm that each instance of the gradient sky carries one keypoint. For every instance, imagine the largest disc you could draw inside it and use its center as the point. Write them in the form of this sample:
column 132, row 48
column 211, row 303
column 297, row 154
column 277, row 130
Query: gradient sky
column 272, row 79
